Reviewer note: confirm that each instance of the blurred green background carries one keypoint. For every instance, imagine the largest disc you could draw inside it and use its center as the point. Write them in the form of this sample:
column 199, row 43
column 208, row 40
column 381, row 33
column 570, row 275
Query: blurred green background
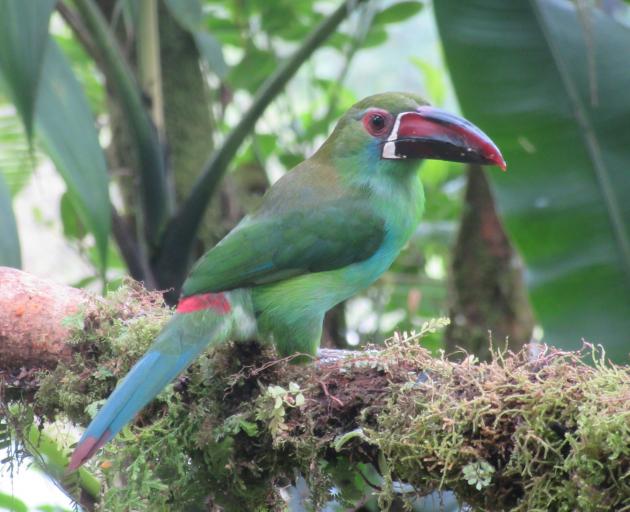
column 135, row 133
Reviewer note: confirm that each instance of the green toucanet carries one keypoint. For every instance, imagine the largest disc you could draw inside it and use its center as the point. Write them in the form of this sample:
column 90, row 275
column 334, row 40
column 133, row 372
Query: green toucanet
column 327, row 229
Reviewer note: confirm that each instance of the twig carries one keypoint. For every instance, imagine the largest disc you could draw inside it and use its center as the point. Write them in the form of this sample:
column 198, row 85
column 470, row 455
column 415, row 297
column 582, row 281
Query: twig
column 80, row 31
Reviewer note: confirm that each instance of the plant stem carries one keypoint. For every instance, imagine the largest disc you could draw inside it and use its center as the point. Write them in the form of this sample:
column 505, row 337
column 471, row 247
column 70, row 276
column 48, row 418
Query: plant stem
column 156, row 203
column 137, row 264
column 365, row 23
column 149, row 64
column 78, row 28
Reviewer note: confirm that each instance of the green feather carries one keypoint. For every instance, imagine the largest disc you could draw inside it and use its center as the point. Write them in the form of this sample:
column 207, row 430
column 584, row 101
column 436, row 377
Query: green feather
column 269, row 248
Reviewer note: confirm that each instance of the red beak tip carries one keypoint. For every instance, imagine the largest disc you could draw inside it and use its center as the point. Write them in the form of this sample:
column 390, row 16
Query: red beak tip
column 499, row 162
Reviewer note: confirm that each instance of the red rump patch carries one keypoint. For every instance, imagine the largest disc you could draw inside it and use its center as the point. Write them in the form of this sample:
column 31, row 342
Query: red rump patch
column 216, row 301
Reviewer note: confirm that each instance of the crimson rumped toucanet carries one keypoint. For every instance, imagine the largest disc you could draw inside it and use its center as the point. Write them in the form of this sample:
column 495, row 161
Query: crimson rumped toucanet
column 324, row 231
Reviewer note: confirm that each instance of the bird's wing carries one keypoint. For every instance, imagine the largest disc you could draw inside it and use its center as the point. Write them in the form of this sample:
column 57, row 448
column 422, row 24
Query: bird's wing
column 268, row 248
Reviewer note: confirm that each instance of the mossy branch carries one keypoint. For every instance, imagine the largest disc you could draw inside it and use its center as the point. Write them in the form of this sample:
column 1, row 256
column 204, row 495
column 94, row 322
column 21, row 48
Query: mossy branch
column 536, row 430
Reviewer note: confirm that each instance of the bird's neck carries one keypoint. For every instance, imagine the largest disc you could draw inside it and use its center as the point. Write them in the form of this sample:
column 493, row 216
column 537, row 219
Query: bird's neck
column 393, row 186
column 384, row 180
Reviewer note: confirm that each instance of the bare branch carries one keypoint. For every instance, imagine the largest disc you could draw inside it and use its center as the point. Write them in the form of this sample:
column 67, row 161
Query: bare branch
column 32, row 313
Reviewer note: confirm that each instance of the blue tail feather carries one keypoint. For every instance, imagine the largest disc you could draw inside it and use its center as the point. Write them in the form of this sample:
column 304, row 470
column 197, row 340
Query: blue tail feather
column 179, row 343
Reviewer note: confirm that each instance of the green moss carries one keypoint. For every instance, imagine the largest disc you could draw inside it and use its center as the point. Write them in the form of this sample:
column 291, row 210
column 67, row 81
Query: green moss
column 519, row 433
column 106, row 343
column 552, row 434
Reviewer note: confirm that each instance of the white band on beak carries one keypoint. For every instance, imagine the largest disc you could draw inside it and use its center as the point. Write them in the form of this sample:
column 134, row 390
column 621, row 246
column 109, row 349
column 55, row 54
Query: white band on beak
column 389, row 148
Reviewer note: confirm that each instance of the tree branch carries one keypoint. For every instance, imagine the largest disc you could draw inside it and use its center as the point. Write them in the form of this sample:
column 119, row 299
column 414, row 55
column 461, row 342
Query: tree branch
column 536, row 430
column 32, row 331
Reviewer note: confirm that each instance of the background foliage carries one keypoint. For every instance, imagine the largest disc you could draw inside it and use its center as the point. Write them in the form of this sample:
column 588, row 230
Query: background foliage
column 563, row 131
column 167, row 120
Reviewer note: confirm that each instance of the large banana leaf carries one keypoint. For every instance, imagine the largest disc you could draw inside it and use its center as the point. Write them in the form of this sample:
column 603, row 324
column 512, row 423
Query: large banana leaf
column 9, row 243
column 23, row 40
column 39, row 80
column 550, row 85
column 66, row 127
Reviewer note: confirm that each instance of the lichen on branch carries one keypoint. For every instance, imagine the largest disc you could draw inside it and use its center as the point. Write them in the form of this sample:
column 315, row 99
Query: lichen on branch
column 537, row 430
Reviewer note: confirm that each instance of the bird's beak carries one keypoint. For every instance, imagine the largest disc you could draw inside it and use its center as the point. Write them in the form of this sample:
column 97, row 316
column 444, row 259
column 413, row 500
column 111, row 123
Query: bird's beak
column 432, row 133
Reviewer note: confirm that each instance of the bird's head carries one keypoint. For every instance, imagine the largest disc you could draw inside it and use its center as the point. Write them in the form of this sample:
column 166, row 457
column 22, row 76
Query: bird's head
column 395, row 127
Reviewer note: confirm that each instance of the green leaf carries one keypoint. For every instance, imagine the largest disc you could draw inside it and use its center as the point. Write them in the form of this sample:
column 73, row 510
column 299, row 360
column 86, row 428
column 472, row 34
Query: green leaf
column 339, row 40
column 397, row 13
column 522, row 74
column 343, row 439
column 9, row 241
column 85, row 70
column 73, row 228
column 253, row 69
column 376, row 37
column 11, row 503
column 17, row 160
column 51, row 508
column 251, row 429
column 66, row 127
column 433, row 81
column 23, row 40
column 290, row 160
column 266, row 143
column 274, row 16
column 51, row 457
column 224, row 30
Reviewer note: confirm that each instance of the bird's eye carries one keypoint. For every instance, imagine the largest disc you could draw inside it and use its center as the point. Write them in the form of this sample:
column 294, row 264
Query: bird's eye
column 377, row 122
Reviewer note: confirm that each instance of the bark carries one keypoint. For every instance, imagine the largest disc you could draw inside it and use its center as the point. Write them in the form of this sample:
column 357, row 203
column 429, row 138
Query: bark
column 535, row 430
column 488, row 293
column 189, row 124
column 32, row 313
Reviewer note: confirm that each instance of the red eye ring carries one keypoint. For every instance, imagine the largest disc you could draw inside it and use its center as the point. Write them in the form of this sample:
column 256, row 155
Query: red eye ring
column 377, row 122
